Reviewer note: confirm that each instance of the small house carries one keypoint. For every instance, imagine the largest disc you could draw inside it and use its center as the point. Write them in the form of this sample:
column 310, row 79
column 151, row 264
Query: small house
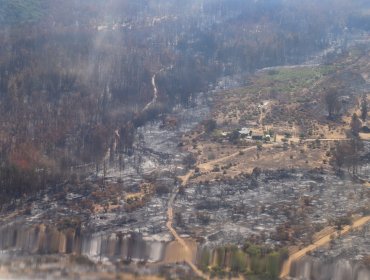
column 245, row 132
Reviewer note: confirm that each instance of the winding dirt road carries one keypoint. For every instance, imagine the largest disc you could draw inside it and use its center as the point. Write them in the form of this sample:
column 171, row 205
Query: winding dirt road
column 187, row 254
column 319, row 243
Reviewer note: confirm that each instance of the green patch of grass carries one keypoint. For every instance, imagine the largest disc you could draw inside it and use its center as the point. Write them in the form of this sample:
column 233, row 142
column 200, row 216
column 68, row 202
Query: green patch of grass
column 300, row 76
column 217, row 133
column 285, row 80
column 290, row 80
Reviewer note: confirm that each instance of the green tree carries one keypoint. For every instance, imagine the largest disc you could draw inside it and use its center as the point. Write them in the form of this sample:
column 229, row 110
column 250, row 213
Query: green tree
column 205, row 259
column 221, row 253
column 238, row 261
column 254, row 252
column 273, row 265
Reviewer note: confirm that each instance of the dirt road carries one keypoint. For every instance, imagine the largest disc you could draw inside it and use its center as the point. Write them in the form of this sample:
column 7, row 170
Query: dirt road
column 319, row 243
column 208, row 166
column 327, row 139
column 187, row 253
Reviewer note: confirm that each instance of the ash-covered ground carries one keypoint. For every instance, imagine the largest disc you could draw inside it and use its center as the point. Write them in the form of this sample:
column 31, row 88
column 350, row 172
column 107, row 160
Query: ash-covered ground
column 268, row 204
column 89, row 215
column 346, row 258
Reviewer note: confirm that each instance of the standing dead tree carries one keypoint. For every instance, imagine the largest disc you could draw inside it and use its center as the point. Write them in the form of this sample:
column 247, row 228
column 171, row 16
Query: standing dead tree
column 332, row 103
column 347, row 154
column 364, row 108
